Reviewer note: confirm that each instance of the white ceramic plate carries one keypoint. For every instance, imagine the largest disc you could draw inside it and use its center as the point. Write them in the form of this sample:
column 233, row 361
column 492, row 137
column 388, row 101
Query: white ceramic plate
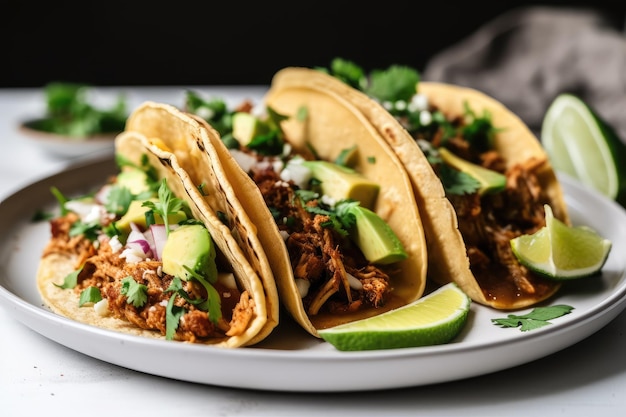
column 290, row 359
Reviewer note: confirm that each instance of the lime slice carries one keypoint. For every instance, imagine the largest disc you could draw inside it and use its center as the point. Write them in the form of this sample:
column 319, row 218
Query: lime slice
column 433, row 319
column 561, row 252
column 583, row 146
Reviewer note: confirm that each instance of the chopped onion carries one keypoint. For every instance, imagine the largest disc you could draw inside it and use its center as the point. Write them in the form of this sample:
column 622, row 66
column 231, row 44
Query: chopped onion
column 137, row 247
column 245, row 161
column 227, row 279
column 102, row 307
column 159, row 237
column 298, row 173
column 354, row 282
column 303, row 286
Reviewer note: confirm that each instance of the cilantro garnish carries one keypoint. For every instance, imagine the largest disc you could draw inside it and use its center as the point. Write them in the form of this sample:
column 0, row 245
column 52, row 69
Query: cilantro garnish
column 89, row 230
column 70, row 280
column 167, row 204
column 60, row 198
column 41, row 215
column 344, row 156
column 349, row 72
column 272, row 142
column 457, row 182
column 173, row 313
column 136, row 293
column 69, row 112
column 537, row 318
column 393, row 84
column 478, row 130
column 89, row 295
column 213, row 110
column 398, row 82
column 118, row 200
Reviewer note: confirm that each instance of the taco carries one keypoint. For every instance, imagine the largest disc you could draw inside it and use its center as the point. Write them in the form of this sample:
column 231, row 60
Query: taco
column 171, row 130
column 141, row 256
column 435, row 129
column 328, row 267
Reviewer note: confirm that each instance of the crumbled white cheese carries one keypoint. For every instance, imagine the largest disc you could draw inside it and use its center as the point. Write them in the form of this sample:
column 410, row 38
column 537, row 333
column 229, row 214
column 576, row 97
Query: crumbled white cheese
column 328, row 200
column 205, row 112
column 296, row 172
column 88, row 212
column 419, row 102
column 426, row 117
column 400, row 105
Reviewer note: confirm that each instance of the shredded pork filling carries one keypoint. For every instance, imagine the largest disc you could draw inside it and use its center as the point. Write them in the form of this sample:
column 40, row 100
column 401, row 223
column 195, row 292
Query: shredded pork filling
column 319, row 254
column 105, row 270
column 488, row 223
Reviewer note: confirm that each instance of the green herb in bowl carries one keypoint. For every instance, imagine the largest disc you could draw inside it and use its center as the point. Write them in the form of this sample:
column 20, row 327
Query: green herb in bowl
column 69, row 113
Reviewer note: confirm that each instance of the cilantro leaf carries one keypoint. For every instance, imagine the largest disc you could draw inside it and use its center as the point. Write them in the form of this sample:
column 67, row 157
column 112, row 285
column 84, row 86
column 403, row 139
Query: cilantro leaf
column 118, row 200
column 173, row 313
column 136, row 293
column 90, row 294
column 393, row 84
column 70, row 113
column 214, row 110
column 537, row 318
column 213, row 304
column 167, row 204
column 478, row 130
column 457, row 182
column 60, row 198
column 348, row 72
column 89, row 230
column 70, row 280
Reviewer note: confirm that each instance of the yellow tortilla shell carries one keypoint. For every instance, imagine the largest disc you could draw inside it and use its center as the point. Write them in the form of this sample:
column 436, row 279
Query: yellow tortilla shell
column 516, row 142
column 333, row 125
column 53, row 268
column 172, row 130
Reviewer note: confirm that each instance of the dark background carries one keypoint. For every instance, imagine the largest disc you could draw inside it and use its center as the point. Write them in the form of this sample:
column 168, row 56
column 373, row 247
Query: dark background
column 210, row 43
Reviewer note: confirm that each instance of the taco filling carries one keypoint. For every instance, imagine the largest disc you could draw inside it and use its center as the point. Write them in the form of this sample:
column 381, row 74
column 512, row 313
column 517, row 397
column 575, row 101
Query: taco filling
column 344, row 260
column 135, row 253
column 487, row 218
column 331, row 271
column 495, row 175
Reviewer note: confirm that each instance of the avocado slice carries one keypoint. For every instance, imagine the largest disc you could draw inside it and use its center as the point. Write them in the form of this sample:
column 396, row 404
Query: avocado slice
column 136, row 213
column 247, row 126
column 134, row 179
column 190, row 246
column 374, row 237
column 490, row 181
column 340, row 182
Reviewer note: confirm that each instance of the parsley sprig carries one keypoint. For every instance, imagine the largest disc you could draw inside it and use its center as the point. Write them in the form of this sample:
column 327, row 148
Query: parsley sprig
column 538, row 317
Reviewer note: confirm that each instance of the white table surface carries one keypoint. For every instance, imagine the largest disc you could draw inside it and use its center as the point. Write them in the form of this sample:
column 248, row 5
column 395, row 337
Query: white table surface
column 41, row 377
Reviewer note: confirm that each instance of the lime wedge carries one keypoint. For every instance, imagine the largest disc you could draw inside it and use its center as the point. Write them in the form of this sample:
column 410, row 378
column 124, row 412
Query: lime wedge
column 561, row 252
column 583, row 146
column 433, row 319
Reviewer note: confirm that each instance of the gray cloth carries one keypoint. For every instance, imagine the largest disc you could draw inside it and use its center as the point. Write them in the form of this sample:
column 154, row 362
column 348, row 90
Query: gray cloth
column 528, row 56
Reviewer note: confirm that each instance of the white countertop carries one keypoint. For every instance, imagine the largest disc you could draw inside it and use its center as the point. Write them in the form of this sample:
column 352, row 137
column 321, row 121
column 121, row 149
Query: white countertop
column 41, row 377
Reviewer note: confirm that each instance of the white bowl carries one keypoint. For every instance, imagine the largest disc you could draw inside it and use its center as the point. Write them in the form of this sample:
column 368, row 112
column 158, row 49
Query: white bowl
column 66, row 146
